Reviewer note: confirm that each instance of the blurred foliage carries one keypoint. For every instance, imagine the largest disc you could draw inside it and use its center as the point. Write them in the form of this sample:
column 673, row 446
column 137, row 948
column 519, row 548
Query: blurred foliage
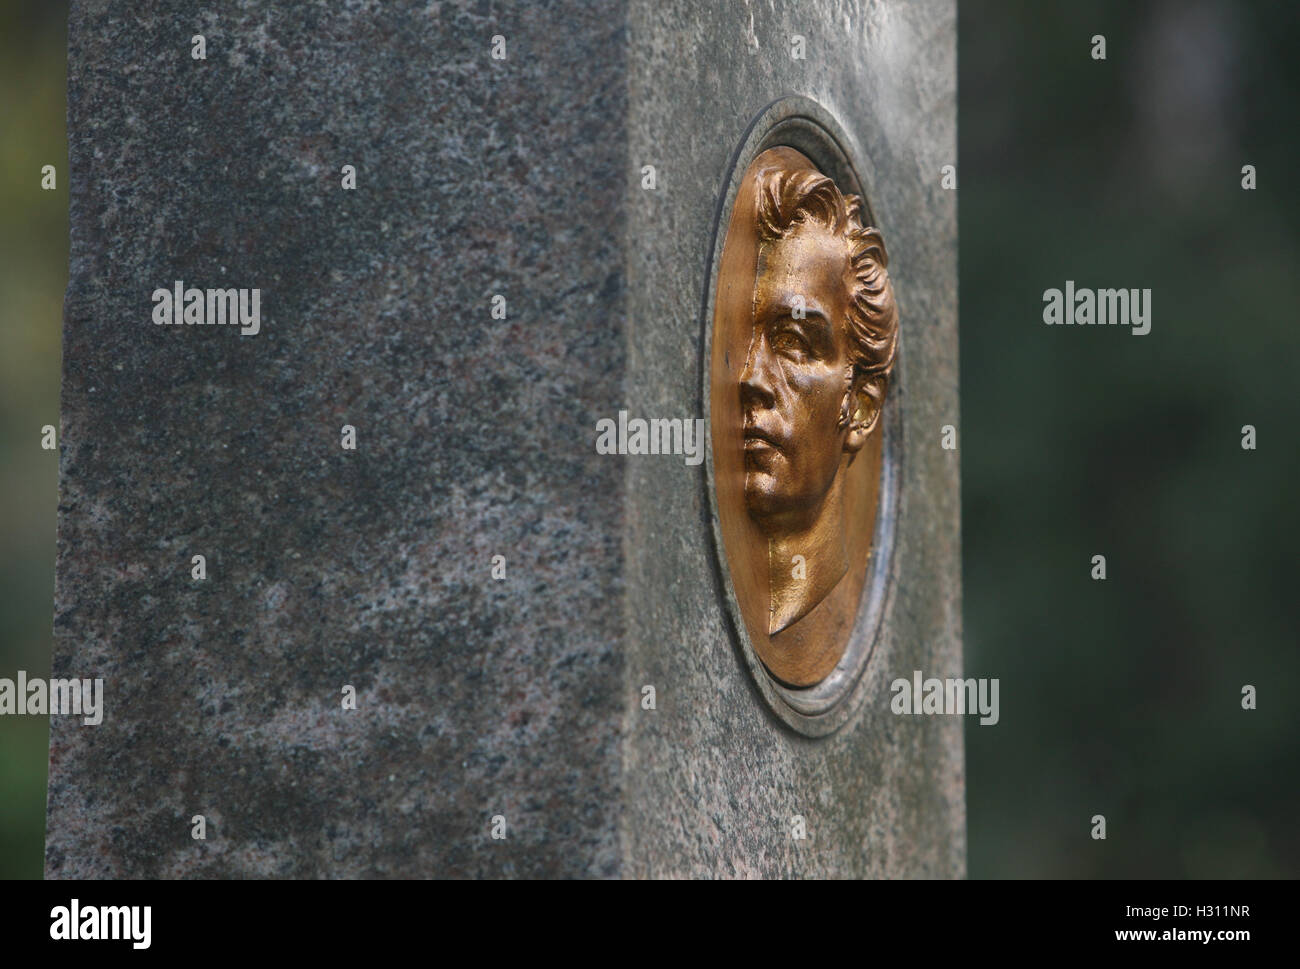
column 33, row 274
column 1123, row 697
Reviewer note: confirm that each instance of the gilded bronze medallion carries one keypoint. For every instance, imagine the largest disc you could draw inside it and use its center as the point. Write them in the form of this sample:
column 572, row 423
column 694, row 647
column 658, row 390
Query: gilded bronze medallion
column 805, row 338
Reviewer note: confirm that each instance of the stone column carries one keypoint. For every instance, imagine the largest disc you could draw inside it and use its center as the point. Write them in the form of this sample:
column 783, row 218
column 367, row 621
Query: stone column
column 394, row 483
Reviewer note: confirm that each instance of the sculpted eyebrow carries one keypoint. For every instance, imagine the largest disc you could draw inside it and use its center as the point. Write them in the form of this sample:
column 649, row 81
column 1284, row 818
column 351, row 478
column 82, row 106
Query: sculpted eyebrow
column 815, row 323
column 816, row 320
column 781, row 309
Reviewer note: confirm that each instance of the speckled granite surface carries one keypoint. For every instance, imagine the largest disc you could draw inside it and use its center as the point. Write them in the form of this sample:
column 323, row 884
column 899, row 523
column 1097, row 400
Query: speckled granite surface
column 372, row 567
column 329, row 567
column 712, row 780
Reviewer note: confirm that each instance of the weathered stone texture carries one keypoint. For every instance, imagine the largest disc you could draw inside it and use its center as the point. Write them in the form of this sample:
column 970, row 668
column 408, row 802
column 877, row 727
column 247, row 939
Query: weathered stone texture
column 372, row 567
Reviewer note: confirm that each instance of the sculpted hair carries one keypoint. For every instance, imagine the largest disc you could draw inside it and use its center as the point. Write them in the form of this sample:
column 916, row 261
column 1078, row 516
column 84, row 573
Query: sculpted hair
column 787, row 199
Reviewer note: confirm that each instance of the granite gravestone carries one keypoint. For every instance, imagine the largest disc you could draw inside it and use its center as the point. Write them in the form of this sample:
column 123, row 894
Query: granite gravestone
column 435, row 632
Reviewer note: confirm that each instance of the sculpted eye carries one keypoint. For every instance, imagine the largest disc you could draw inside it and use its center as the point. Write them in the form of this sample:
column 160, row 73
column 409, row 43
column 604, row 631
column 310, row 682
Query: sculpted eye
column 788, row 339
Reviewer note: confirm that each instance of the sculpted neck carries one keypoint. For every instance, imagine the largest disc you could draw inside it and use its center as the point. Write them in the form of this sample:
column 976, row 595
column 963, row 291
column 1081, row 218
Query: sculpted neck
column 796, row 588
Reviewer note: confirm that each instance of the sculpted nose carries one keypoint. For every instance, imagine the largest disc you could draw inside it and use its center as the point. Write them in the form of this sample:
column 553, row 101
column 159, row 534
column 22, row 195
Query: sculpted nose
column 755, row 380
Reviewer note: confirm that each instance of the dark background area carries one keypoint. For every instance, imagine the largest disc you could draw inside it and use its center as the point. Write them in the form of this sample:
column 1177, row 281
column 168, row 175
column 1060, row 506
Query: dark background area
column 33, row 275
column 1120, row 698
column 1123, row 697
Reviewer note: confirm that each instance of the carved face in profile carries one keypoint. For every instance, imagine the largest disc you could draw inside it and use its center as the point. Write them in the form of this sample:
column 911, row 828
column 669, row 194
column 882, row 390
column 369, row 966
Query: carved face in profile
column 798, row 379
column 823, row 340
column 805, row 339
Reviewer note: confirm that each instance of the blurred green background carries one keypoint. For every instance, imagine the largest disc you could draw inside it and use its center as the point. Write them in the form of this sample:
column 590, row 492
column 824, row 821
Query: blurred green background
column 1120, row 697
column 1123, row 697
column 33, row 274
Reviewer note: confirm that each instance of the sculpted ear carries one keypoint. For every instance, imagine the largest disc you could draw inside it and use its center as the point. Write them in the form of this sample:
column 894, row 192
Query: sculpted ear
column 862, row 404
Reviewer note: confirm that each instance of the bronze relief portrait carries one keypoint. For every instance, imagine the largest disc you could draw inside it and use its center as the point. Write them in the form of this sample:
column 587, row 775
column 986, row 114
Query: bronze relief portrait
column 805, row 337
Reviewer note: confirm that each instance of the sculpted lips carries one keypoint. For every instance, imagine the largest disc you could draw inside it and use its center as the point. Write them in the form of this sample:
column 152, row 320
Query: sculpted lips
column 757, row 439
